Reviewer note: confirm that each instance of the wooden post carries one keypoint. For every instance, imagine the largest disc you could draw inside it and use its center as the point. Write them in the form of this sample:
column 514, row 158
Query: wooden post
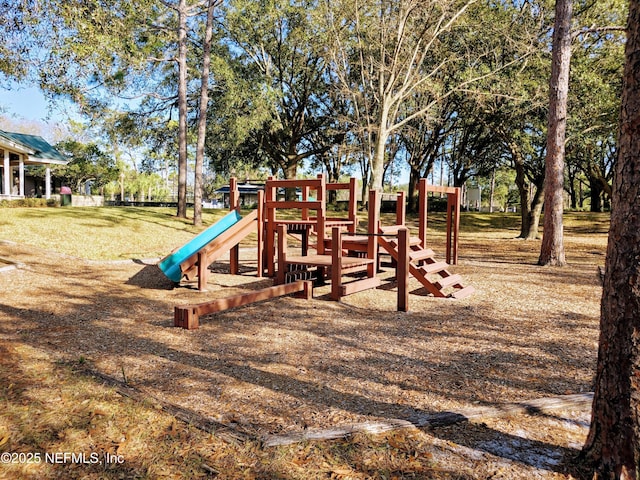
column 234, row 194
column 402, row 270
column 449, row 225
column 304, row 213
column 373, row 219
column 234, row 204
column 321, row 197
column 260, row 234
column 270, row 248
column 186, row 317
column 282, row 255
column 336, row 263
column 422, row 212
column 453, row 225
column 203, row 270
column 401, row 208
column 456, row 225
column 307, row 291
column 353, row 204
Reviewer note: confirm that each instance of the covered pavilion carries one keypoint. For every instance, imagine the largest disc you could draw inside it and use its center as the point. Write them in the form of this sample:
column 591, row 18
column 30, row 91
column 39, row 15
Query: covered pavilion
column 18, row 150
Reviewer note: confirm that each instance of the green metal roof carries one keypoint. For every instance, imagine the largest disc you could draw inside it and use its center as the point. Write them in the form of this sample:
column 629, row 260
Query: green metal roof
column 41, row 149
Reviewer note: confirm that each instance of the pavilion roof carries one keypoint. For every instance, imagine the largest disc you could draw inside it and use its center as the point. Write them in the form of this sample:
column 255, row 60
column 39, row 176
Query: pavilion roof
column 38, row 149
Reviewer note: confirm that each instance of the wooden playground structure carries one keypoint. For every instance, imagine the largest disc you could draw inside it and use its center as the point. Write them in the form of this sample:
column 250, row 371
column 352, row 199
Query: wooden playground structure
column 331, row 249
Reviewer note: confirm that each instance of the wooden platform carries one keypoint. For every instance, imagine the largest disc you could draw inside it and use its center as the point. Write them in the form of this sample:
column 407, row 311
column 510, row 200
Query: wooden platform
column 326, row 261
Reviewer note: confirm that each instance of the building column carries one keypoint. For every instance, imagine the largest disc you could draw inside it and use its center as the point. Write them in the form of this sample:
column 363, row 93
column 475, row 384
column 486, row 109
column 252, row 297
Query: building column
column 21, row 176
column 6, row 187
column 47, row 183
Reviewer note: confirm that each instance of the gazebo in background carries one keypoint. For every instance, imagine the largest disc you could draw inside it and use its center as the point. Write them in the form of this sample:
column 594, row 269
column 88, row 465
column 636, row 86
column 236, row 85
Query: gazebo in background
column 18, row 150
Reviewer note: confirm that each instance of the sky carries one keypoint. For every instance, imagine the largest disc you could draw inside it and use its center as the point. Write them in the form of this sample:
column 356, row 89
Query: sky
column 24, row 103
column 27, row 105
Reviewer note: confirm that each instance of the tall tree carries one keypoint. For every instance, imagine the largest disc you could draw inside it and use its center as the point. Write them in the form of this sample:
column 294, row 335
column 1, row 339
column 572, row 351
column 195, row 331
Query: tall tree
column 552, row 249
column 517, row 112
column 124, row 56
column 202, row 113
column 277, row 44
column 613, row 443
column 597, row 62
column 383, row 54
column 181, row 59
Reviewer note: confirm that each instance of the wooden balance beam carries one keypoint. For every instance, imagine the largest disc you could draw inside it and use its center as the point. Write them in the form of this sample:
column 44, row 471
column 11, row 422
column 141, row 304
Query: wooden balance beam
column 187, row 316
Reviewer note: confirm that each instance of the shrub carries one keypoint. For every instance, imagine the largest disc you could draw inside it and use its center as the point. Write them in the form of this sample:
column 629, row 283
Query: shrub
column 28, row 202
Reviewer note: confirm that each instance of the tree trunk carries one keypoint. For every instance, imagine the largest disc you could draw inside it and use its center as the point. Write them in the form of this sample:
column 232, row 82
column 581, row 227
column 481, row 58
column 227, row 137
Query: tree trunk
column 573, row 192
column 202, row 116
column 377, row 162
column 552, row 249
column 525, row 201
column 182, row 109
column 595, row 193
column 492, row 189
column 613, row 444
column 530, row 207
column 413, row 201
column 290, row 173
column 533, row 217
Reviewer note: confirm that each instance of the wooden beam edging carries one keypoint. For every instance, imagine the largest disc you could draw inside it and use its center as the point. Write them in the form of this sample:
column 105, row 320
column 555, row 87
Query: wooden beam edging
column 532, row 407
column 187, row 316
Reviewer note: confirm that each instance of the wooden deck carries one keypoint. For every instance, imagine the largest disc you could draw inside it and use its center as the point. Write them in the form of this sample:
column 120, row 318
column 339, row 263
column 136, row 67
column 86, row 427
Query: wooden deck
column 326, row 261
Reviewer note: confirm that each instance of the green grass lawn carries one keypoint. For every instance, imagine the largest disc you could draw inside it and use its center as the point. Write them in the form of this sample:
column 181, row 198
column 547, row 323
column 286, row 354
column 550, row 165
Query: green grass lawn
column 107, row 233
column 113, row 233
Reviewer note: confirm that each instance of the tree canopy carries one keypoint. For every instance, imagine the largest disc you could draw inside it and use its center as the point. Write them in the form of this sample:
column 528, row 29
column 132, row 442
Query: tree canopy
column 372, row 87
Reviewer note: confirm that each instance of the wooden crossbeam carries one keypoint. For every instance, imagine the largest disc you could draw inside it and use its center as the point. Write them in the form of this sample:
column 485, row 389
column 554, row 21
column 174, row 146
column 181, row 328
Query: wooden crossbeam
column 187, row 316
column 359, row 286
column 440, row 189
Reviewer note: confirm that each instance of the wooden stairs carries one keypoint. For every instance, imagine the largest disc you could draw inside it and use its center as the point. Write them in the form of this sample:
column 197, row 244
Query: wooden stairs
column 431, row 273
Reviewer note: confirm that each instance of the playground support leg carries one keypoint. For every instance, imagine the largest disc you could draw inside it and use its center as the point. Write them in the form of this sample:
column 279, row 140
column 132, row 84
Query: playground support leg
column 260, row 234
column 453, row 225
column 234, row 204
column 203, row 271
column 281, row 274
column 336, row 263
column 373, row 218
column 422, row 211
column 402, row 270
column 456, row 226
column 307, row 292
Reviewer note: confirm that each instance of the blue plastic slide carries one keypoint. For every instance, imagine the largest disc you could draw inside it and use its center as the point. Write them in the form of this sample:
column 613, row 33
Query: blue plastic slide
column 170, row 265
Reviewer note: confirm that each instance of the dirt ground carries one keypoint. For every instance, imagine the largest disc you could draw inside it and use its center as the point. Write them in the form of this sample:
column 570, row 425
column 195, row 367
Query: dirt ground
column 287, row 367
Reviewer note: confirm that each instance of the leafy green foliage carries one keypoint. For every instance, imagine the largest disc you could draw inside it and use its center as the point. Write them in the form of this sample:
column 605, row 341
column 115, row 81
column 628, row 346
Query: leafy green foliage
column 88, row 164
column 275, row 44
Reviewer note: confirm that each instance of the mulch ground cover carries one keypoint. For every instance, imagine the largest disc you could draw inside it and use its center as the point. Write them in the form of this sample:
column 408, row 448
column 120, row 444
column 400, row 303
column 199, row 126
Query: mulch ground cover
column 91, row 362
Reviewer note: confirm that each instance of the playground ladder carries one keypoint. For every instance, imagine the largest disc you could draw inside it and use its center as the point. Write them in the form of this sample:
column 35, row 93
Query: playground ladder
column 431, row 273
